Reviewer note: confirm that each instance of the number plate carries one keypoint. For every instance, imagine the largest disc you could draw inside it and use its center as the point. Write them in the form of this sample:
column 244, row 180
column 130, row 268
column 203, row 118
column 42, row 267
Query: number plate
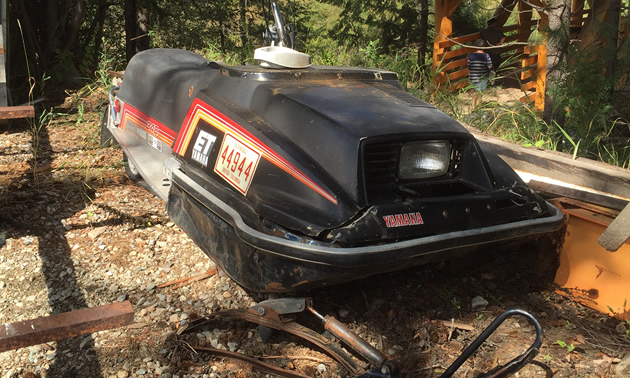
column 236, row 163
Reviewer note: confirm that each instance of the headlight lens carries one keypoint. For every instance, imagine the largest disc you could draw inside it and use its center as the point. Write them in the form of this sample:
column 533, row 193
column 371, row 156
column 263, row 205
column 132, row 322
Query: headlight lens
column 420, row 160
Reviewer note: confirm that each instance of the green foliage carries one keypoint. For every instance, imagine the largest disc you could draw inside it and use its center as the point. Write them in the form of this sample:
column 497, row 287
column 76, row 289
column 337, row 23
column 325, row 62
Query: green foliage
column 393, row 23
column 470, row 17
column 568, row 347
column 584, row 100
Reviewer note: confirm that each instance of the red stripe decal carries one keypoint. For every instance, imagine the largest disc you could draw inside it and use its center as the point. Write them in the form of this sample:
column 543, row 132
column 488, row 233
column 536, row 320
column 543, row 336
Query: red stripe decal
column 148, row 124
column 200, row 110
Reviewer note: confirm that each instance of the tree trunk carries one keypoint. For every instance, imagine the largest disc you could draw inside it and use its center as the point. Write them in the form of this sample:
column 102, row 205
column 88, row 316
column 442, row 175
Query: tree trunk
column 613, row 41
column 74, row 25
column 559, row 13
column 243, row 27
column 424, row 32
column 95, row 33
column 222, row 36
column 130, row 28
column 143, row 42
column 136, row 28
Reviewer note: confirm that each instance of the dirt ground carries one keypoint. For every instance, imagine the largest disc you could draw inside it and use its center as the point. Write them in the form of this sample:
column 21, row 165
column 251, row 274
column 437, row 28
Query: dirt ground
column 76, row 233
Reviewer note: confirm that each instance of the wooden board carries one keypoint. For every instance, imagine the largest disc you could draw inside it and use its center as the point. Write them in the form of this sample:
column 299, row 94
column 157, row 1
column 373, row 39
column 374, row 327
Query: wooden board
column 3, row 76
column 581, row 172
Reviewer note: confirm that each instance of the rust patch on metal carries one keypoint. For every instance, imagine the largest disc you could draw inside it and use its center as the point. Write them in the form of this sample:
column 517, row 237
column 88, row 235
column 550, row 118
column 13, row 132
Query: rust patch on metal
column 65, row 325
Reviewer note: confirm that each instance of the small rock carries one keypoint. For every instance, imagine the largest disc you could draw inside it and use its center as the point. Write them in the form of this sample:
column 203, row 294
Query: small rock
column 150, row 286
column 122, row 374
column 232, row 346
column 321, row 368
column 226, row 294
column 173, row 318
column 478, row 303
column 122, row 297
column 85, row 341
column 95, row 233
column 621, row 328
column 141, row 372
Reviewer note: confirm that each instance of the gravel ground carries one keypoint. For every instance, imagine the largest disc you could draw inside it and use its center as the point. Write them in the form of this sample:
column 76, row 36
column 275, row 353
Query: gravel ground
column 76, row 233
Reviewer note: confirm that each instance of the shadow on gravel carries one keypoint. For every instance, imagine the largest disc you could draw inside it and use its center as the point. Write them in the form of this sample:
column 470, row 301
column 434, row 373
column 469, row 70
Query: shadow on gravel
column 52, row 201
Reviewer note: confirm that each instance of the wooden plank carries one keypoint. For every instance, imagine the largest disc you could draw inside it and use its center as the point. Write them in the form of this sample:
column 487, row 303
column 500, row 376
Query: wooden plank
column 529, row 97
column 530, row 61
column 582, row 195
column 464, row 51
column 541, row 75
column 455, row 64
column 443, row 29
column 463, row 40
column 529, row 85
column 65, row 325
column 582, row 172
column 527, row 74
column 452, row 76
column 15, row 112
column 3, row 76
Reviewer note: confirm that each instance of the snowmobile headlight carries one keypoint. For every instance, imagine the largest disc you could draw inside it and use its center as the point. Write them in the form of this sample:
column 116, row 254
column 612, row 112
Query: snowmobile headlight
column 420, row 160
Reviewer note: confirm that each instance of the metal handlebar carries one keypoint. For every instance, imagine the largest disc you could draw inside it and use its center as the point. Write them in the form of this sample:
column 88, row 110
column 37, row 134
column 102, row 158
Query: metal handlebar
column 511, row 366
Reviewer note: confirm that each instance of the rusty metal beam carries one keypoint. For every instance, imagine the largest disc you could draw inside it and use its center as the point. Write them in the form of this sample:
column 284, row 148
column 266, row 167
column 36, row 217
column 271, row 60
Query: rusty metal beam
column 65, row 325
column 15, row 112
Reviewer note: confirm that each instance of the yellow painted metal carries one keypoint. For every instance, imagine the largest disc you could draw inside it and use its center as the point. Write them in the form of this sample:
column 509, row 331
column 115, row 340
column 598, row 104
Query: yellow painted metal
column 588, row 273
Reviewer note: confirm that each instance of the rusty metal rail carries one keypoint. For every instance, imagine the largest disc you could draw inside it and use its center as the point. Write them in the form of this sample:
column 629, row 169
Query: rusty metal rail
column 65, row 325
column 296, row 329
column 259, row 365
column 15, row 112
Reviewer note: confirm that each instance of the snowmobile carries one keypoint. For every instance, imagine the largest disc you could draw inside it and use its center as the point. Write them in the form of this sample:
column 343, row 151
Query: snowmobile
column 292, row 176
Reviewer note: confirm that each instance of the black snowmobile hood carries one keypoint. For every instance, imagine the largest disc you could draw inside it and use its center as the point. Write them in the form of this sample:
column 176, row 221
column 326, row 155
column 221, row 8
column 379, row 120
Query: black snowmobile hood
column 324, row 113
column 367, row 109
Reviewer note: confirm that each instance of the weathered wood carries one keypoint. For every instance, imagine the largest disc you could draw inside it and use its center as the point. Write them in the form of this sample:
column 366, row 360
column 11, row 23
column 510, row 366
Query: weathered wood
column 15, row 112
column 575, row 193
column 455, row 64
column 618, row 232
column 529, row 61
column 581, row 172
column 65, row 325
column 530, row 85
column 527, row 74
column 3, row 76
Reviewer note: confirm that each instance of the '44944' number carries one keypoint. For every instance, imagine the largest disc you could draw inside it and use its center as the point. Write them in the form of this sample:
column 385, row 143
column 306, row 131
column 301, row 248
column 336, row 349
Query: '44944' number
column 237, row 163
